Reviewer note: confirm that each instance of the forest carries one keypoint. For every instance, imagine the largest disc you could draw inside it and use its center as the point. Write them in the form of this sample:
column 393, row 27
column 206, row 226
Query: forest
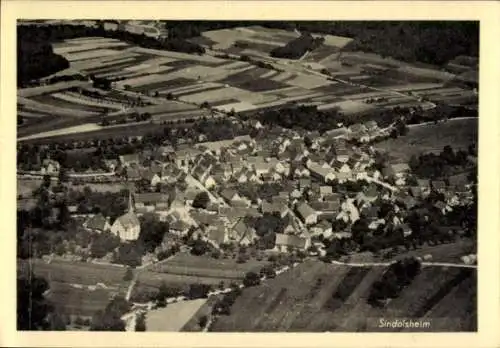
column 431, row 42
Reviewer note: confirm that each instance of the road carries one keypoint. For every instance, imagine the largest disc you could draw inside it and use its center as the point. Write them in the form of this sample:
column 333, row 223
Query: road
column 385, row 264
column 448, row 120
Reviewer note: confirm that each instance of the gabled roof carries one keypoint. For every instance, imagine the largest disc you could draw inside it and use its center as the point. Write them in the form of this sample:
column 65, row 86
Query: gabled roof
column 438, row 184
column 305, row 210
column 97, row 222
column 290, row 240
column 150, row 197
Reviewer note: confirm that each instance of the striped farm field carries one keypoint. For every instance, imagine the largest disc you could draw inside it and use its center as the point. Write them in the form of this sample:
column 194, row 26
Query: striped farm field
column 72, row 48
column 57, row 101
column 71, row 57
column 318, row 297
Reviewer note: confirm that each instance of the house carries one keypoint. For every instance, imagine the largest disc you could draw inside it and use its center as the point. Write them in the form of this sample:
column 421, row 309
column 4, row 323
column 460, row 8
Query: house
column 230, row 195
column 425, row 186
column 50, row 167
column 321, row 173
column 443, row 207
column 307, row 214
column 262, row 168
column 127, row 160
column 371, row 126
column 304, row 184
column 150, row 200
column 396, row 170
column 272, row 208
column 325, row 190
column 242, row 233
column 127, row 227
column 256, row 124
column 217, row 233
column 458, row 182
column 133, row 173
column 284, row 242
column 416, row 192
column 323, row 228
column 438, row 185
column 343, row 177
column 97, row 223
column 179, row 227
column 301, row 171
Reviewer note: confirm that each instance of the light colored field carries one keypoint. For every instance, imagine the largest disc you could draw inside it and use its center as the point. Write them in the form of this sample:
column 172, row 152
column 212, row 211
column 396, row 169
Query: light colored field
column 192, row 88
column 59, row 86
column 87, row 47
column 90, row 54
column 82, row 40
column 74, row 98
column 179, row 55
column 167, row 106
column 235, row 65
column 281, row 101
column 282, row 76
column 88, row 127
column 308, row 81
column 55, row 110
column 227, row 93
column 144, row 80
column 237, row 107
column 457, row 133
column 427, row 73
column 336, row 41
column 414, row 87
column 174, row 316
column 347, row 106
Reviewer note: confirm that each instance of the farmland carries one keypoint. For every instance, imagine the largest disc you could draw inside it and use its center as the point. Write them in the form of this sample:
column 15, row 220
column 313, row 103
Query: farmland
column 184, row 269
column 74, row 286
column 431, row 137
column 174, row 316
column 225, row 84
column 319, row 297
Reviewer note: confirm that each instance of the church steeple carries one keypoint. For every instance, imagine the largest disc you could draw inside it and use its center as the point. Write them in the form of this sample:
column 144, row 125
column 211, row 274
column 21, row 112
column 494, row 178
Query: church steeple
column 130, row 202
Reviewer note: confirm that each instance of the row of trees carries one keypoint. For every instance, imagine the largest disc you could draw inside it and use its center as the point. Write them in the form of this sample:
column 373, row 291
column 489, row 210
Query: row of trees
column 430, row 165
column 296, row 48
column 398, row 276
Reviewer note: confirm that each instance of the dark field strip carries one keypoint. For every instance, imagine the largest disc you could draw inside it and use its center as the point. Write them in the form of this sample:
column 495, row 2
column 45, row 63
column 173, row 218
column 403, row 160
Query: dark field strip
column 34, row 111
column 111, row 68
column 290, row 78
column 177, row 82
column 276, row 301
column 224, row 102
column 350, row 281
column 56, row 123
column 181, row 94
column 260, row 85
column 441, row 293
column 163, row 85
column 258, row 46
column 50, row 100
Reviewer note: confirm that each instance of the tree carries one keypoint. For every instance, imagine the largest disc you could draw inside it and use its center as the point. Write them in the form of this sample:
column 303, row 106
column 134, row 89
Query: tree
column 110, row 318
column 141, row 323
column 129, row 275
column 202, row 321
column 201, row 200
column 34, row 312
column 63, row 175
column 251, row 279
column 46, row 181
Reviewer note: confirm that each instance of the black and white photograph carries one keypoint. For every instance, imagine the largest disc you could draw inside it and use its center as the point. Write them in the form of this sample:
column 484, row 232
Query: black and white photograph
column 247, row 175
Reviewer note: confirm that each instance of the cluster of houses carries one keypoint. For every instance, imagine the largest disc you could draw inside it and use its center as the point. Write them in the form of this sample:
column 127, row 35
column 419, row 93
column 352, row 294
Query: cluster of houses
column 309, row 201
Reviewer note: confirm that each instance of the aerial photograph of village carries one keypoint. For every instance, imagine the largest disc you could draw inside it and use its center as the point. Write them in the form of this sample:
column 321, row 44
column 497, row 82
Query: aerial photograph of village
column 247, row 176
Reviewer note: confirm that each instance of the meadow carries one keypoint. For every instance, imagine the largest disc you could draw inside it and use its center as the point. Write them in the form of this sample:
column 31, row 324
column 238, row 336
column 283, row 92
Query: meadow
column 317, row 297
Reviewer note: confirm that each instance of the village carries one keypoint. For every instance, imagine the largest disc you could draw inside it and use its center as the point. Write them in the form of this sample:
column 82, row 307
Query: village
column 220, row 192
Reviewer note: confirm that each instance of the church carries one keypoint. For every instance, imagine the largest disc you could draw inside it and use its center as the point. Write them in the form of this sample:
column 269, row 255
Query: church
column 127, row 226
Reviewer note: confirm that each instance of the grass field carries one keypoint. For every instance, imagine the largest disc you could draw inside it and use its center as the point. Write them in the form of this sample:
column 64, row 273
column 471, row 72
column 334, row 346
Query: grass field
column 426, row 138
column 174, row 316
column 185, row 269
column 318, row 297
column 69, row 283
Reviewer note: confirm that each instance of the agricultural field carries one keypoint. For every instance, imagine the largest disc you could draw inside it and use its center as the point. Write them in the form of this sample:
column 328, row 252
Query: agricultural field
column 185, row 269
column 226, row 84
column 317, row 297
column 174, row 316
column 78, row 288
column 458, row 133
